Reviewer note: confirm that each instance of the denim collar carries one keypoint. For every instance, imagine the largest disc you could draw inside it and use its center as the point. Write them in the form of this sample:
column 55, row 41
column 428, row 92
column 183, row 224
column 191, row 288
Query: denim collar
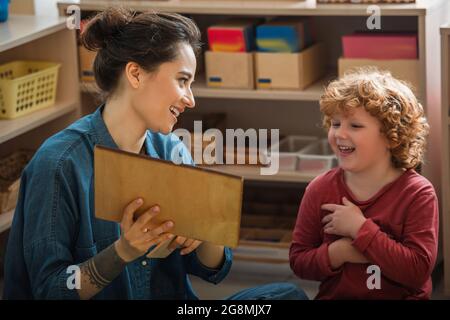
column 102, row 135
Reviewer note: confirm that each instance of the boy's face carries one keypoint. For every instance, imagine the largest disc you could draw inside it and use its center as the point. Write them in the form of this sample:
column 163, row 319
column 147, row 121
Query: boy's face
column 357, row 141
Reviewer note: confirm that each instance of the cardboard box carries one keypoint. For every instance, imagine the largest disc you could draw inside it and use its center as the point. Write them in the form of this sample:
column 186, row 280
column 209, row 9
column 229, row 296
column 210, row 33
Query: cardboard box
column 403, row 69
column 229, row 69
column 290, row 70
column 86, row 63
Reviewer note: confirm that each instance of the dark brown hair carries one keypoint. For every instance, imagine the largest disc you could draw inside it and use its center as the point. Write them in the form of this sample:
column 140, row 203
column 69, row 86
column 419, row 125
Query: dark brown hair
column 121, row 35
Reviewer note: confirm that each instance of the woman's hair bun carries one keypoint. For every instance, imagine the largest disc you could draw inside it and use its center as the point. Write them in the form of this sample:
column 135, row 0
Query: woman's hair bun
column 104, row 27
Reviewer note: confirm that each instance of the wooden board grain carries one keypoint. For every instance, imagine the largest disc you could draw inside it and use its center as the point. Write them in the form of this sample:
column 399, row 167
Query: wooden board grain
column 203, row 204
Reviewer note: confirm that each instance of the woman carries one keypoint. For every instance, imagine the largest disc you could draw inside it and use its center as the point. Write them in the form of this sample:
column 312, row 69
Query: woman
column 145, row 65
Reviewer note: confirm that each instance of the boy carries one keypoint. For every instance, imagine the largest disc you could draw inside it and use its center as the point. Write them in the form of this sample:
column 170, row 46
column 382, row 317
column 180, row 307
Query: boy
column 374, row 216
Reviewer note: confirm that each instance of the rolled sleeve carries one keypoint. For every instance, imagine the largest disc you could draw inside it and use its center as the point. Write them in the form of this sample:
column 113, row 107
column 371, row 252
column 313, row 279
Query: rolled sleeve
column 196, row 268
column 324, row 262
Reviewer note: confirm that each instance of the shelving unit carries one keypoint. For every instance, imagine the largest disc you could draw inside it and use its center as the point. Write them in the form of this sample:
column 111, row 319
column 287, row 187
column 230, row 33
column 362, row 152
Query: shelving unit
column 201, row 90
column 9, row 129
column 275, row 8
column 26, row 37
column 423, row 16
column 445, row 223
column 253, row 173
column 296, row 112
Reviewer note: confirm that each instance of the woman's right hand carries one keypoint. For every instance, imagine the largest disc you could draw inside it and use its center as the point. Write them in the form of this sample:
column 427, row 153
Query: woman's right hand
column 138, row 236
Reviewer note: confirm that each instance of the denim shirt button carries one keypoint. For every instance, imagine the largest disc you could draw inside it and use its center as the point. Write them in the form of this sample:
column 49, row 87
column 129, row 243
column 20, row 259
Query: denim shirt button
column 144, row 263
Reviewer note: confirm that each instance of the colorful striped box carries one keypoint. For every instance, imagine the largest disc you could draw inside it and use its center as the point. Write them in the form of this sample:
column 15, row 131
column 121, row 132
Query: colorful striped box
column 233, row 35
column 285, row 35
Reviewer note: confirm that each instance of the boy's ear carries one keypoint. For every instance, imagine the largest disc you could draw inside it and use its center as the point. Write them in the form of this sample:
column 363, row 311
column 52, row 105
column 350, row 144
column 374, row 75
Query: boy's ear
column 393, row 144
column 390, row 144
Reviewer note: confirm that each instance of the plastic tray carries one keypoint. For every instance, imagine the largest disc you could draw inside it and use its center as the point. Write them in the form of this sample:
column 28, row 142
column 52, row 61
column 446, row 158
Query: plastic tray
column 316, row 157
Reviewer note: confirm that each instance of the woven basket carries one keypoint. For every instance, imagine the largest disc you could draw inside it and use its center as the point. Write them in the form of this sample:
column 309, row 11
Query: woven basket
column 11, row 168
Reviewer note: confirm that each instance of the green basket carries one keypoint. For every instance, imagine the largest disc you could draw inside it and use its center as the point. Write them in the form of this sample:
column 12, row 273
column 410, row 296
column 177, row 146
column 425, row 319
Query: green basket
column 27, row 86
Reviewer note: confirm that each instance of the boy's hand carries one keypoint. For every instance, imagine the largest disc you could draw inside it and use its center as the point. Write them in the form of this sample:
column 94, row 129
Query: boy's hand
column 185, row 244
column 345, row 220
column 342, row 251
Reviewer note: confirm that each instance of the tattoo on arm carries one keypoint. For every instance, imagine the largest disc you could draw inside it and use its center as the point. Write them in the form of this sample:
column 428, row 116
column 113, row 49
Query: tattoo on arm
column 103, row 268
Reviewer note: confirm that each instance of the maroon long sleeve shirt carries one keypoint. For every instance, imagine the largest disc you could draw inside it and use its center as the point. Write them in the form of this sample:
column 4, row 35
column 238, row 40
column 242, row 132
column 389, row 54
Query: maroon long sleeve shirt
column 400, row 236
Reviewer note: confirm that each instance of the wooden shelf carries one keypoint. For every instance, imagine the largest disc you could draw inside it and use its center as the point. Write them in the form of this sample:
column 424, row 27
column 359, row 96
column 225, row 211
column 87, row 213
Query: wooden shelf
column 311, row 93
column 201, row 90
column 6, row 220
column 305, row 8
column 253, row 173
column 12, row 128
column 21, row 29
column 89, row 87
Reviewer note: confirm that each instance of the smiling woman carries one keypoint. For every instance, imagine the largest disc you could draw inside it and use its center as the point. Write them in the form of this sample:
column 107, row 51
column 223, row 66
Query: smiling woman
column 140, row 57
column 145, row 64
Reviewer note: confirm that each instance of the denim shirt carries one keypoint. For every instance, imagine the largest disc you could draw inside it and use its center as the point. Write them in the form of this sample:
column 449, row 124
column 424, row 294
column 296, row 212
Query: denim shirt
column 54, row 225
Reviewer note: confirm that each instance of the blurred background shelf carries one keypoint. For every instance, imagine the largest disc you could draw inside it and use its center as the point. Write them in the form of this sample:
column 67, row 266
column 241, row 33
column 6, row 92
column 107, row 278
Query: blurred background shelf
column 11, row 128
column 253, row 173
column 201, row 90
column 307, row 7
column 6, row 220
column 21, row 29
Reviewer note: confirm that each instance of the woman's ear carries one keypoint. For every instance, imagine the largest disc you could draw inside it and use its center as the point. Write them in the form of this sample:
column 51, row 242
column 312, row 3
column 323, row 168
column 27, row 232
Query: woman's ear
column 132, row 71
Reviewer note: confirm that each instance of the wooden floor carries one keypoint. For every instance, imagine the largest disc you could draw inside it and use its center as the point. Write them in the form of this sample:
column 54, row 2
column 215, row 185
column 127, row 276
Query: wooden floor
column 246, row 275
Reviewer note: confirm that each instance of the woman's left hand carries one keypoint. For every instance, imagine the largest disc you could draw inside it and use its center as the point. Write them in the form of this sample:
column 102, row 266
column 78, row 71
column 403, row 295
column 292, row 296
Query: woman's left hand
column 345, row 220
column 185, row 244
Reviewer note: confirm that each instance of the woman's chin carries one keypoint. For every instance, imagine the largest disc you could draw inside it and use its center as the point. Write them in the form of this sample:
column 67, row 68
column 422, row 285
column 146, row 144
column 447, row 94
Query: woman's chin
column 166, row 130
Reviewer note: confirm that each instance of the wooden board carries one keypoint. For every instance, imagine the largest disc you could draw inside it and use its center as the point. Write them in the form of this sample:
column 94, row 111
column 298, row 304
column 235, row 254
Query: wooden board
column 203, row 204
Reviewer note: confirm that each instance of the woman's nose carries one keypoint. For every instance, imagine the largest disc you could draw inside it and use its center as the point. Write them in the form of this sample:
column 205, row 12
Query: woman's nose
column 189, row 100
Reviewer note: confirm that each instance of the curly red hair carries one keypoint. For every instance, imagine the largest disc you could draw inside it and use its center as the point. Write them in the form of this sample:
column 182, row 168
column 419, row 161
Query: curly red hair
column 389, row 100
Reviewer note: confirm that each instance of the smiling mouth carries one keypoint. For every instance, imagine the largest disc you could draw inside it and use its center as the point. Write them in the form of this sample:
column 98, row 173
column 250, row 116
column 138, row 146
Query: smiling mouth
column 174, row 111
column 346, row 149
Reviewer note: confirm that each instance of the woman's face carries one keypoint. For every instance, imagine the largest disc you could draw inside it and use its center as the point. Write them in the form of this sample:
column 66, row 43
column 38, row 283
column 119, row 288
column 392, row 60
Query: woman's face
column 164, row 94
